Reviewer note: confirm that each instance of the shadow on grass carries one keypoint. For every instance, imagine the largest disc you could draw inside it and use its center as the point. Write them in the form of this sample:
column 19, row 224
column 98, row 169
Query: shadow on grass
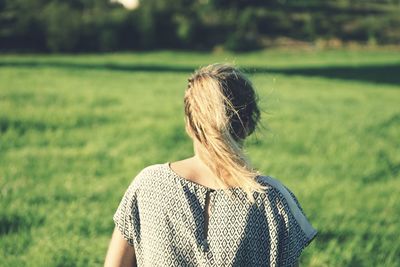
column 388, row 169
column 385, row 74
column 15, row 222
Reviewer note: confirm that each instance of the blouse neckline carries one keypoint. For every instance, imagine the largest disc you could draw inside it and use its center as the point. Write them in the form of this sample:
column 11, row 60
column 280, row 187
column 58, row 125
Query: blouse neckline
column 195, row 184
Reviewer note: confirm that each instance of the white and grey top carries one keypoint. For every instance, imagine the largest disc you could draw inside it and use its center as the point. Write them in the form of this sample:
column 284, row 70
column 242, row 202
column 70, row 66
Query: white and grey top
column 162, row 216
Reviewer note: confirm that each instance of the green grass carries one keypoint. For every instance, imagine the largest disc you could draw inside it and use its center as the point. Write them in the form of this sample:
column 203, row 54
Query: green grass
column 74, row 131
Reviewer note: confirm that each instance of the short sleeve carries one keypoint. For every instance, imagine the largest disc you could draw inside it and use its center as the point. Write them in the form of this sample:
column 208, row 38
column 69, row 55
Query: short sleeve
column 298, row 231
column 293, row 230
column 126, row 217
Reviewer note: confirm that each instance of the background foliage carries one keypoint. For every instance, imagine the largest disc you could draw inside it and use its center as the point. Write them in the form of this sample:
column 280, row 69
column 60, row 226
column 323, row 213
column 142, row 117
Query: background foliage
column 75, row 130
column 88, row 25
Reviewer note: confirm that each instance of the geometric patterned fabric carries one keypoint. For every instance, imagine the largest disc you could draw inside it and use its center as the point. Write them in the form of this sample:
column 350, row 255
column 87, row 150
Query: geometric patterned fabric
column 162, row 216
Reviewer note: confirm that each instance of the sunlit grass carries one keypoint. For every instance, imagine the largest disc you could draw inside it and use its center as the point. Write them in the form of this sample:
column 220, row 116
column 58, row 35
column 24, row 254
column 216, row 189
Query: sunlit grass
column 72, row 136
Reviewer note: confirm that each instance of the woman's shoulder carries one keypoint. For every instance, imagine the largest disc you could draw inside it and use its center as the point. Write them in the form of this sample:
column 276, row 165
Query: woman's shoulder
column 147, row 175
column 277, row 192
column 153, row 169
column 272, row 184
column 274, row 188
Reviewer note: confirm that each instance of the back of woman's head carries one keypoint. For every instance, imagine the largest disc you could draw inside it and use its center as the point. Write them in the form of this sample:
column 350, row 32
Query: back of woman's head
column 221, row 111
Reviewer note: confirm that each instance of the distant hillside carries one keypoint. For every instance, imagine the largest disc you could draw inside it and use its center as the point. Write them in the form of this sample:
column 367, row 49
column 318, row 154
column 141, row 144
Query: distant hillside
column 86, row 25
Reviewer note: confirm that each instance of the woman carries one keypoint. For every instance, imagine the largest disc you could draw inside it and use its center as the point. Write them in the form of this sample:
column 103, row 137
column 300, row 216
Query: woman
column 212, row 209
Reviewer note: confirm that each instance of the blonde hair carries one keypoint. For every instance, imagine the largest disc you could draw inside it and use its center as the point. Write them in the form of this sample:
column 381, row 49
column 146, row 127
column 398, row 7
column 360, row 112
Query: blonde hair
column 221, row 111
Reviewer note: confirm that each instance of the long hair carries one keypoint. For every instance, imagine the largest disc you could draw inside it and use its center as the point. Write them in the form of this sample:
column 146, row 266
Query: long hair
column 221, row 111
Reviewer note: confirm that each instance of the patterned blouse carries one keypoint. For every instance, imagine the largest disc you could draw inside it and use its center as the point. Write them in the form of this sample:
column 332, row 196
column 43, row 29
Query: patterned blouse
column 162, row 216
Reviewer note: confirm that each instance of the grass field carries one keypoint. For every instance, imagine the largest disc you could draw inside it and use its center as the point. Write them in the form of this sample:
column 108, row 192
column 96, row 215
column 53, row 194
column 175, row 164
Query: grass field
column 74, row 131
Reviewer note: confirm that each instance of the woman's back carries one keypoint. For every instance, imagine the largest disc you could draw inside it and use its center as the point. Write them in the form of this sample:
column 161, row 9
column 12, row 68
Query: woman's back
column 164, row 217
column 216, row 210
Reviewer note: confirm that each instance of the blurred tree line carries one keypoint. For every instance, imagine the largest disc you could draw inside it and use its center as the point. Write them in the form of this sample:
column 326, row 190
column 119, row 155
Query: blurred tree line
column 98, row 25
